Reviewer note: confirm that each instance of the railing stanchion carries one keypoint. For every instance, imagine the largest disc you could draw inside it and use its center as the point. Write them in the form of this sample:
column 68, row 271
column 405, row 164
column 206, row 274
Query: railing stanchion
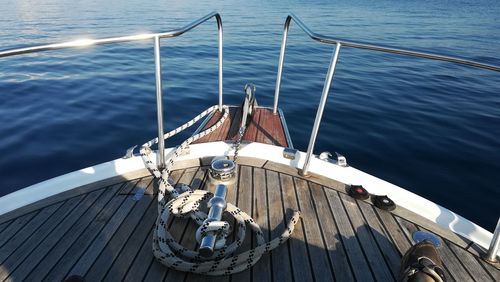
column 280, row 64
column 219, row 32
column 159, row 104
column 491, row 255
column 138, row 37
column 321, row 107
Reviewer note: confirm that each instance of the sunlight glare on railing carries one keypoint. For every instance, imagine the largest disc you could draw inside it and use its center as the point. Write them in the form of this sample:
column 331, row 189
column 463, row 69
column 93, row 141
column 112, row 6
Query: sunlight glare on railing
column 80, row 42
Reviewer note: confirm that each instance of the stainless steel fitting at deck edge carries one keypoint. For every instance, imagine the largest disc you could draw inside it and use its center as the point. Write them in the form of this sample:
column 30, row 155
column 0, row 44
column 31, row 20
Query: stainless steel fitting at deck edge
column 491, row 254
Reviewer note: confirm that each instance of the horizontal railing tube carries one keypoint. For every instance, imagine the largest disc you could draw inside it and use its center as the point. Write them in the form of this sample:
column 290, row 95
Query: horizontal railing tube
column 140, row 37
column 363, row 45
column 321, row 107
column 110, row 40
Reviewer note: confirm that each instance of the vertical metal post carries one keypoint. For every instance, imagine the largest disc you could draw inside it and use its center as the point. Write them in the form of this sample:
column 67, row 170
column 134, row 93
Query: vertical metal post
column 321, row 107
column 491, row 255
column 219, row 29
column 280, row 65
column 159, row 105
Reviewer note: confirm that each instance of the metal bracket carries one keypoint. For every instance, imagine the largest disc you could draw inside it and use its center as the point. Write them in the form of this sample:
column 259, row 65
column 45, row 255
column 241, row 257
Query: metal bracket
column 341, row 160
column 289, row 153
column 327, row 157
column 248, row 105
column 130, row 152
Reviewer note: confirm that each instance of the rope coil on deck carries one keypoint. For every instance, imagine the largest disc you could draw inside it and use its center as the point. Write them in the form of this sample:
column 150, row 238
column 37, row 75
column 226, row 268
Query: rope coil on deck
column 185, row 202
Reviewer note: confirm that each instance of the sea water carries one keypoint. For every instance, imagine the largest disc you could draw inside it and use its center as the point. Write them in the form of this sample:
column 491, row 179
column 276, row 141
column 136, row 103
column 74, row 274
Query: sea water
column 430, row 127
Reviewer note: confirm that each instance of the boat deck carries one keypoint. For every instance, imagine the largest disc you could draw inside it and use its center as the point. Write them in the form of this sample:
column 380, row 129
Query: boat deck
column 264, row 127
column 104, row 232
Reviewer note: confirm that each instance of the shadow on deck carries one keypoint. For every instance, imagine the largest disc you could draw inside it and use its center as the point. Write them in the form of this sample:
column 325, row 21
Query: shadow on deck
column 106, row 234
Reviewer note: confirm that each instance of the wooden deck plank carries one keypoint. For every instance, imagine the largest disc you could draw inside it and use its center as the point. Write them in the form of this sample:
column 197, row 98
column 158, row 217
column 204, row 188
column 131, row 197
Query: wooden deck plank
column 84, row 189
column 389, row 251
column 278, row 131
column 15, row 226
column 492, row 270
column 99, row 243
column 132, row 246
column 361, row 269
column 142, row 260
column 26, row 247
column 397, row 235
column 218, row 134
column 271, row 123
column 110, row 252
column 231, row 197
column 270, row 129
column 370, row 248
column 223, row 132
column 157, row 271
column 194, row 178
column 470, row 263
column 252, row 128
column 61, row 238
column 300, row 255
column 260, row 272
column 264, row 128
column 318, row 256
column 280, row 257
column 233, row 133
column 105, row 236
column 245, row 192
column 4, row 226
column 29, row 229
column 84, row 239
column 215, row 117
column 338, row 257
column 127, row 188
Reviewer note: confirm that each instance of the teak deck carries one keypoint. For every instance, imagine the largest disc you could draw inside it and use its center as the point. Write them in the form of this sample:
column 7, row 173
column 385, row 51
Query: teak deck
column 106, row 234
column 264, row 127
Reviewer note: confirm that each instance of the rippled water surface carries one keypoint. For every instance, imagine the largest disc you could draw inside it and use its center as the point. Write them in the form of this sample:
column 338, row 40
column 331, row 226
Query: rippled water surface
column 430, row 127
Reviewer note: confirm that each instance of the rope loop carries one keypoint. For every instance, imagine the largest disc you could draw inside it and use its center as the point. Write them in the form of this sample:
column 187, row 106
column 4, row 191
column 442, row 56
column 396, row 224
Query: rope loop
column 187, row 203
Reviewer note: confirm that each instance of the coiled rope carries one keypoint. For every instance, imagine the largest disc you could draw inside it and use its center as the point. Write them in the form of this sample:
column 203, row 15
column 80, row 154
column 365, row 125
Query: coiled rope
column 185, row 202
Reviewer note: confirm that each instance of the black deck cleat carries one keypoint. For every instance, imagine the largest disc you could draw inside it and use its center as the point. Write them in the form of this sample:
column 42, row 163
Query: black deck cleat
column 358, row 192
column 383, row 203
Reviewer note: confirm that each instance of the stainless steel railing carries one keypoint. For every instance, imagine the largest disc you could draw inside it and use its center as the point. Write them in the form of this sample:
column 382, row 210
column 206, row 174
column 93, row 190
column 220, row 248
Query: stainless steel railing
column 333, row 63
column 491, row 254
column 156, row 39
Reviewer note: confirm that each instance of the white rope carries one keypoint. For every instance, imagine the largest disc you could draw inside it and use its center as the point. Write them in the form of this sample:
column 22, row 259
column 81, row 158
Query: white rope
column 186, row 203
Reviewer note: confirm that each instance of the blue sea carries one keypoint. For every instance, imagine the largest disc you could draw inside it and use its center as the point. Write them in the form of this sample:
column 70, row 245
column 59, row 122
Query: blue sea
column 430, row 127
